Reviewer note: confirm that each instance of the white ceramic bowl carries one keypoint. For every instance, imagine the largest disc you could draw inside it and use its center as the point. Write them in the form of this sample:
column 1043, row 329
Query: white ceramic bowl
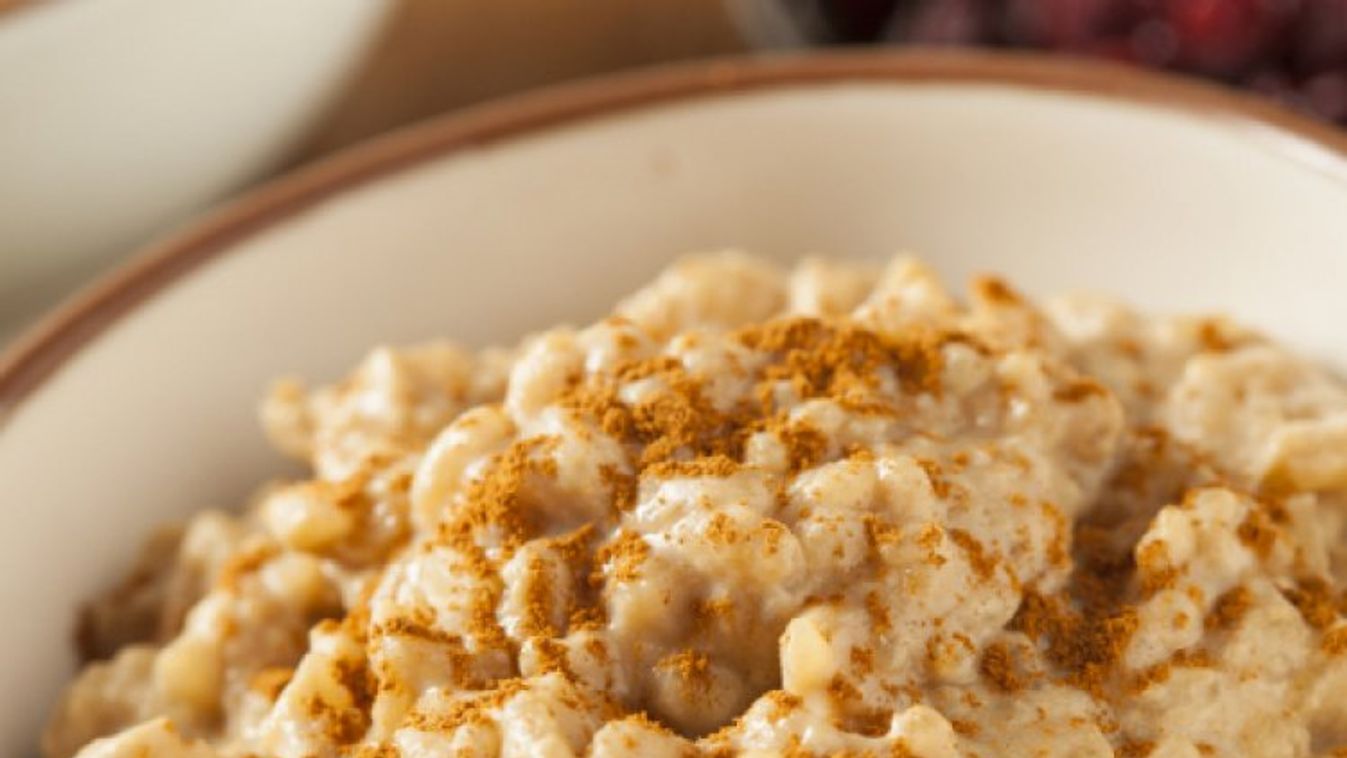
column 135, row 403
column 120, row 116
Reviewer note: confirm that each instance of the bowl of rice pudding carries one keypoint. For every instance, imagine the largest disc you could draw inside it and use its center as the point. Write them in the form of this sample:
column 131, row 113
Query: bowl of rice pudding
column 662, row 443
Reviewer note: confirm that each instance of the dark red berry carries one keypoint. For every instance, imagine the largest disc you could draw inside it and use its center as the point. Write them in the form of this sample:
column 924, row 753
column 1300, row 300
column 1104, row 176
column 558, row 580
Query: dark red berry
column 1319, row 38
column 1227, row 37
column 1292, row 50
column 1061, row 24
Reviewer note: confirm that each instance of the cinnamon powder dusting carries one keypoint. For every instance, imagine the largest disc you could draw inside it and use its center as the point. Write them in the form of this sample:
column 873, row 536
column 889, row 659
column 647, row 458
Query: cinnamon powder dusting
column 269, row 681
column 1258, row 532
column 1334, row 641
column 998, row 666
column 1229, row 609
column 692, row 667
column 624, row 556
column 1314, row 599
column 983, row 563
column 1087, row 646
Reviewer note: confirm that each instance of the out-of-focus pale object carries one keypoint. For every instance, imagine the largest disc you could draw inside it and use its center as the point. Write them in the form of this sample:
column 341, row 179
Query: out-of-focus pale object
column 118, row 117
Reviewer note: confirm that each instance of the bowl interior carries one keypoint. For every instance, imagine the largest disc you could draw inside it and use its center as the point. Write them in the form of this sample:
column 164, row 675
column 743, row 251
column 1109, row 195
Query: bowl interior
column 154, row 418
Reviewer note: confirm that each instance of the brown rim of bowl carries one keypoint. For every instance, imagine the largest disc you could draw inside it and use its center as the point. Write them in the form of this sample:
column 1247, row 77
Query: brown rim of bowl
column 39, row 352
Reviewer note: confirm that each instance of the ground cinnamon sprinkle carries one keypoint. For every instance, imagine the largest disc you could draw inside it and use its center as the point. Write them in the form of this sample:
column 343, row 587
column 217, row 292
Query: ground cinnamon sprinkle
column 346, row 723
column 552, row 657
column 1135, row 748
column 881, row 532
column 712, row 465
column 497, row 503
column 622, row 485
column 709, row 611
column 1229, row 609
column 1129, row 347
column 929, row 539
column 587, row 618
column 483, row 625
column 474, row 707
column 1160, row 672
column 862, row 659
column 1154, row 571
column 539, row 595
column 965, row 727
column 783, row 704
column 994, row 289
column 676, row 422
column 693, row 668
column 939, row 485
column 1059, row 545
column 383, row 750
column 823, row 359
column 622, row 557
column 574, row 547
column 805, row 445
column 944, row 650
column 772, row 533
column 1314, row 599
column 998, row 666
column 245, row 562
column 842, row 691
column 869, row 722
column 643, row 720
column 795, row 749
column 1257, row 532
column 541, row 589
column 982, row 562
column 1078, row 390
column 419, row 623
column 1211, row 334
column 1275, row 507
column 1086, row 646
column 721, row 530
column 269, row 682
column 1334, row 641
column 879, row 612
column 1149, row 454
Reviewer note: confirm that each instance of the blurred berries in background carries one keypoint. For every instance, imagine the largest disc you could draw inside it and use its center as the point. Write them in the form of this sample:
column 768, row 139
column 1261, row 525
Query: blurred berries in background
column 1294, row 50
